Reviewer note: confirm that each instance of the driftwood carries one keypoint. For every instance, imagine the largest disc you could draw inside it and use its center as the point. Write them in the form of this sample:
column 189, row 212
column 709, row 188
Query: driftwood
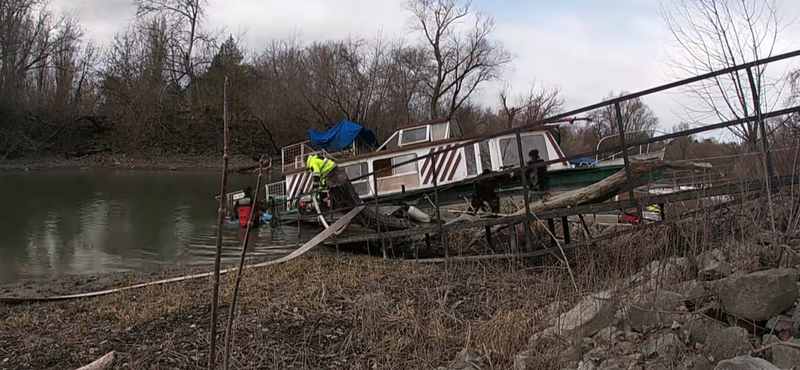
column 101, row 363
column 592, row 192
column 344, row 196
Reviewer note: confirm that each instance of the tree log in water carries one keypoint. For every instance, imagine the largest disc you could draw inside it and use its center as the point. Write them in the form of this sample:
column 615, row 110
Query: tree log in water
column 344, row 195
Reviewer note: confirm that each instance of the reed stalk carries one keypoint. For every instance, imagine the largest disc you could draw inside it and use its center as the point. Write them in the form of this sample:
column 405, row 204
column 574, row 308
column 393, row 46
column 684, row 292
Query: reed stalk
column 220, row 219
column 240, row 270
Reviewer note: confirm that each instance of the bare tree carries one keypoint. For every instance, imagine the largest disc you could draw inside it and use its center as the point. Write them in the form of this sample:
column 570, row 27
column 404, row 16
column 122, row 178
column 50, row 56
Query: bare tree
column 716, row 34
column 538, row 103
column 463, row 58
column 637, row 119
column 184, row 19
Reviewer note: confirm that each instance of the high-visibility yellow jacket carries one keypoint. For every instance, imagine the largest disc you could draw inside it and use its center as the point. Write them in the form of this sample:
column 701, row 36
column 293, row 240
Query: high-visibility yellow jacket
column 319, row 166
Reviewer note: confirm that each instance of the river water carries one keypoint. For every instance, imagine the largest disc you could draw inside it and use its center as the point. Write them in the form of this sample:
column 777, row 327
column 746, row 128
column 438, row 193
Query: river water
column 74, row 222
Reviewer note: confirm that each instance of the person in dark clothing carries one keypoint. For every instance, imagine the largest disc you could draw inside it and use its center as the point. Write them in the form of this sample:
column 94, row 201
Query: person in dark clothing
column 485, row 193
column 539, row 183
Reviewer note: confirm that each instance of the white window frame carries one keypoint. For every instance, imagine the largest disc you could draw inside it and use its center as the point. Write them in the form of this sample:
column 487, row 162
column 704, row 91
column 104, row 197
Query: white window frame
column 427, row 135
column 416, row 166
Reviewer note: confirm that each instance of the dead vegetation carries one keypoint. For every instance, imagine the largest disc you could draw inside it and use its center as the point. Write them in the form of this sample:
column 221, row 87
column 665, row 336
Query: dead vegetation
column 356, row 312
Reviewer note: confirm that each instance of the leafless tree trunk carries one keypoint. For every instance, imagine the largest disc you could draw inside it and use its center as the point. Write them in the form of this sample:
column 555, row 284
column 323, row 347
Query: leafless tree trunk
column 536, row 104
column 184, row 20
column 462, row 59
column 716, row 34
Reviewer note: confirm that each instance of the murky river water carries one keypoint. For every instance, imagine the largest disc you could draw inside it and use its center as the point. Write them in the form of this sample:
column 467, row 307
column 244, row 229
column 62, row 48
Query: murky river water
column 72, row 222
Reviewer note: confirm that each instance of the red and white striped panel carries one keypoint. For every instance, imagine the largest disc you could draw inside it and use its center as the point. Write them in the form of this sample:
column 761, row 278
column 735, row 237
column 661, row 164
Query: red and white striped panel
column 298, row 184
column 446, row 165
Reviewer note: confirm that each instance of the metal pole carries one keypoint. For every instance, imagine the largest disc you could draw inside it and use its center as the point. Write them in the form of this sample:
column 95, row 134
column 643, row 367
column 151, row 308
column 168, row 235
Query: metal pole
column 526, row 196
column 377, row 212
column 565, row 226
column 436, row 201
column 624, row 146
column 762, row 127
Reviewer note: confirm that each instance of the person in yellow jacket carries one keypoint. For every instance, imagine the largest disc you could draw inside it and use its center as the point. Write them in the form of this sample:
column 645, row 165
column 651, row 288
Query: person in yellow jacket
column 319, row 167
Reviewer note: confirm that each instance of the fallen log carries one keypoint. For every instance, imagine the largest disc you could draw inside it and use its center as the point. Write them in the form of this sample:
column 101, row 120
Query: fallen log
column 592, row 192
column 344, row 195
column 101, row 363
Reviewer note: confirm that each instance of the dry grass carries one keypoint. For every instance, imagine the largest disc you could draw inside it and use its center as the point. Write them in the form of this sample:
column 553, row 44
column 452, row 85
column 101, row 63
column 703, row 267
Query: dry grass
column 356, row 312
column 321, row 311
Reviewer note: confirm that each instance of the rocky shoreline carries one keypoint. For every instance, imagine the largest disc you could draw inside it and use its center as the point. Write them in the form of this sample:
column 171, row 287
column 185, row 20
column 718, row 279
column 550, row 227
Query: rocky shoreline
column 736, row 307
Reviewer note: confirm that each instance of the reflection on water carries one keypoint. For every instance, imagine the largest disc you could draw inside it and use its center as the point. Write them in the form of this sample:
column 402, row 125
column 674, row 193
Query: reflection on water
column 71, row 222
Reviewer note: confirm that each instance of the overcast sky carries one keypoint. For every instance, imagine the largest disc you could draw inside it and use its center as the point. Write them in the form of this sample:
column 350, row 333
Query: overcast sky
column 586, row 47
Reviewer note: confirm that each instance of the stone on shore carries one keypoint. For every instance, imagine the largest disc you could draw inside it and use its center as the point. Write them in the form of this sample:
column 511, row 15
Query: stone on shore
column 760, row 295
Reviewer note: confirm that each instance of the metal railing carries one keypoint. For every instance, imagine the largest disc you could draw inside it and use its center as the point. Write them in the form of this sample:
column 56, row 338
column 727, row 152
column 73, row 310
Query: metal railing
column 759, row 117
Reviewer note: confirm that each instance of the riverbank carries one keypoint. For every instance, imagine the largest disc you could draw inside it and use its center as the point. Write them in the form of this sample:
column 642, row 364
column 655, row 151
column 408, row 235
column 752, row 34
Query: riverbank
column 342, row 311
column 125, row 161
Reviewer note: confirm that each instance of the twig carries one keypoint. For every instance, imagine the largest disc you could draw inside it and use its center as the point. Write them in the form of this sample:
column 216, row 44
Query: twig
column 220, row 219
column 770, row 346
column 229, row 328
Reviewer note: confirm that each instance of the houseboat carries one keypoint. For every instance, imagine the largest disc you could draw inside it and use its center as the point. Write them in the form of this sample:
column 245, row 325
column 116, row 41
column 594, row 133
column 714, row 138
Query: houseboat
column 356, row 149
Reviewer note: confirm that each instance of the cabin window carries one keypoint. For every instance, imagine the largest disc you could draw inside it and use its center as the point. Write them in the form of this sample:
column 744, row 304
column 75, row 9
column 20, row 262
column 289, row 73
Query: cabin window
column 509, row 150
column 439, row 131
column 455, row 129
column 392, row 142
column 357, row 170
column 469, row 156
column 385, row 169
column 486, row 157
column 406, row 168
column 414, row 135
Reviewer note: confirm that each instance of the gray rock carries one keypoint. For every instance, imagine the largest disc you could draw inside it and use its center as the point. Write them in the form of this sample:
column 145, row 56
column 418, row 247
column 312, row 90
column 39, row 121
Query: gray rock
column 766, row 340
column 778, row 256
column 587, row 365
column 608, row 334
column 760, row 295
column 699, row 327
column 665, row 346
column 656, row 366
column 467, row 359
column 661, row 274
column 695, row 292
column 587, row 317
column 796, row 323
column 745, row 363
column 713, row 265
column 655, row 310
column 727, row 343
column 779, row 323
column 618, row 363
column 571, row 356
column 700, row 362
column 786, row 357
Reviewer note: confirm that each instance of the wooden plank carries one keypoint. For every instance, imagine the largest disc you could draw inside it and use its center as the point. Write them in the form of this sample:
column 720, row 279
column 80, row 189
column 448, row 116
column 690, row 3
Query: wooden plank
column 305, row 248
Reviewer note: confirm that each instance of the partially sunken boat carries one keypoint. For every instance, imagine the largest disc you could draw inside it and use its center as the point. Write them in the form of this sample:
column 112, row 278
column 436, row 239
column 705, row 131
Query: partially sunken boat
column 355, row 148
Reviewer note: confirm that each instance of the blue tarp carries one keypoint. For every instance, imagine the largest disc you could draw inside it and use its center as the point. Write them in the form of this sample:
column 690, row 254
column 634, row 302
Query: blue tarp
column 341, row 135
column 582, row 160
